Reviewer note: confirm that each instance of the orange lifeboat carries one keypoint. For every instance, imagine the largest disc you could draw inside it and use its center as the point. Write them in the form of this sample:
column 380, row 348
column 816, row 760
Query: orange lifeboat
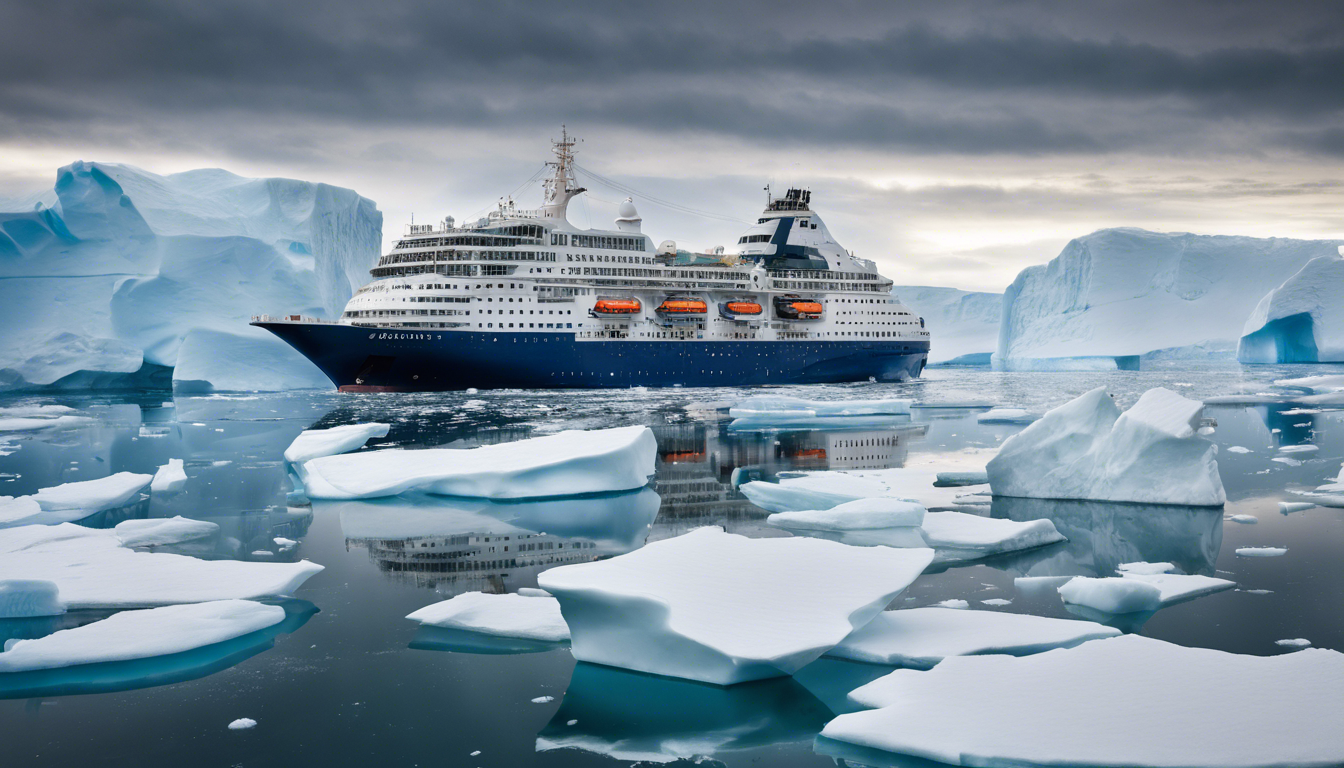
column 794, row 308
column 610, row 307
column 682, row 306
column 738, row 308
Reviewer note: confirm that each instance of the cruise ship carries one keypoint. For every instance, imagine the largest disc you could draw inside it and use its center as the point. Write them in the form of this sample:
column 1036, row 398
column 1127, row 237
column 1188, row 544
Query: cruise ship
column 524, row 299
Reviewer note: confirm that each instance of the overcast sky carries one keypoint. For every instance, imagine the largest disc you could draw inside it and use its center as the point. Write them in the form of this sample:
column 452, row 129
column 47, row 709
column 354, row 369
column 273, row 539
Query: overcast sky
column 954, row 143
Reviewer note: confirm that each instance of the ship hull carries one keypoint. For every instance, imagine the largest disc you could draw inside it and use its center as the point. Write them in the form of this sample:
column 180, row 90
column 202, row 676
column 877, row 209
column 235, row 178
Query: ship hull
column 404, row 360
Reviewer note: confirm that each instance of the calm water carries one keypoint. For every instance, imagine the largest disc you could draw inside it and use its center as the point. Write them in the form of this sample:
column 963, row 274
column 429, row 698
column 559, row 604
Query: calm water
column 347, row 680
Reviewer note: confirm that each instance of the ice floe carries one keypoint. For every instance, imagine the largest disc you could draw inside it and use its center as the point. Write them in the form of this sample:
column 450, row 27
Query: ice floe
column 242, row 724
column 170, row 478
column 1239, row 449
column 853, row 515
column 566, row 463
column 314, row 443
column 1261, row 551
column 20, row 598
column 1298, row 448
column 92, row 569
column 1121, row 701
column 985, row 536
column 141, row 634
column 1111, row 595
column 1318, row 385
column 1288, row 507
column 956, row 604
column 507, row 615
column 1088, row 449
column 1244, row 519
column 922, row 637
column 1178, row 587
column 723, row 608
column 826, row 489
column 1005, row 416
column 89, row 496
column 959, row 479
column 20, row 510
column 779, row 410
column 159, row 531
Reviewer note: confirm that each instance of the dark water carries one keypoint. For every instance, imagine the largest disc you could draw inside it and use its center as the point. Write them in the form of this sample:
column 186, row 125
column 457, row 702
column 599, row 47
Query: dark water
column 347, row 680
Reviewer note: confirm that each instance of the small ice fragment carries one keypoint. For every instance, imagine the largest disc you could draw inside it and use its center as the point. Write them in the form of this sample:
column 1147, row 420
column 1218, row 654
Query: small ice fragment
column 863, row 514
column 1288, row 507
column 242, row 724
column 572, row 722
column 953, row 603
column 1298, row 448
column 1238, row 449
column 1261, row 551
column 543, row 699
column 959, row 479
column 168, row 404
column 532, row 592
column 1295, row 642
column 472, row 391
column 1112, row 595
column 516, row 615
column 170, row 478
column 1244, row 519
column 1259, row 591
column 1286, row 460
column 997, row 601
column 473, row 754
column 159, row 531
column 1146, row 568
column 1005, row 416
column 986, row 535
column 1206, row 431
column 262, row 553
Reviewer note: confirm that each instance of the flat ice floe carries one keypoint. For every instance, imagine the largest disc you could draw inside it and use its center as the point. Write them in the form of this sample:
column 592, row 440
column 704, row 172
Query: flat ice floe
column 530, row 618
column 823, row 490
column 921, row 637
column 141, row 634
column 1111, row 595
column 1088, row 449
column 862, row 514
column 985, row 536
column 773, row 410
column 563, row 464
column 170, row 478
column 92, row 569
column 1261, row 551
column 1318, row 385
column 159, row 531
column 21, row 598
column 724, row 609
column 89, row 496
column 314, row 443
column 20, row 510
column 1122, row 701
column 1005, row 416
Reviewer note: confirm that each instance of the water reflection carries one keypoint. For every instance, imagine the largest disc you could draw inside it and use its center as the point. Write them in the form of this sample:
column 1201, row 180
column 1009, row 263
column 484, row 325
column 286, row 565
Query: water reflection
column 429, row 638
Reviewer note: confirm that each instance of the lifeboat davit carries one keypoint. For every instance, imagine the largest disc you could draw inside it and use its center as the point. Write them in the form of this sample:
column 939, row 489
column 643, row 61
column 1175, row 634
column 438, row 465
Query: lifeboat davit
column 616, row 307
column 794, row 308
column 737, row 308
column 681, row 306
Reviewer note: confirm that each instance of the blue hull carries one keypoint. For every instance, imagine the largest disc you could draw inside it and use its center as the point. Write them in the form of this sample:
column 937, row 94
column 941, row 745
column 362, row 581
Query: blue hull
column 376, row 360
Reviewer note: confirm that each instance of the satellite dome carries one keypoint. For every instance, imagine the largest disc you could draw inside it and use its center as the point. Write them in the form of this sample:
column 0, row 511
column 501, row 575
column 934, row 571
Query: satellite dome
column 627, row 211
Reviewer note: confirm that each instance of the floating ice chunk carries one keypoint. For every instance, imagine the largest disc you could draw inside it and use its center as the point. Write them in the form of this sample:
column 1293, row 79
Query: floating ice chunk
column 1244, row 519
column 543, row 700
column 1319, row 385
column 1286, row 460
column 283, row 543
column 1288, row 507
column 723, row 608
column 1298, row 448
column 92, row 569
column 29, row 597
column 142, row 634
column 997, row 602
column 780, row 408
column 1178, row 587
column 862, row 514
column 159, row 531
column 566, row 463
column 1261, row 551
column 986, row 535
column 1146, row 568
column 1112, row 595
column 533, row 592
column 1005, row 416
column 170, row 478
column 823, row 490
column 1296, row 642
column 530, row 618
column 1239, row 449
column 242, row 724
column 954, row 603
column 12, row 422
column 960, row 479
column 313, row 443
column 1111, row 702
column 21, row 510
column 922, row 637
column 89, row 496
column 1087, row 449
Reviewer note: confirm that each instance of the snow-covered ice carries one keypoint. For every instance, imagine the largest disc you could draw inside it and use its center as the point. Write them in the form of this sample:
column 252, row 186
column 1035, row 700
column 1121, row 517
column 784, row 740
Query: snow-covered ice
column 1146, row 569
column 1317, row 385
column 29, row 597
column 1179, row 587
column 159, row 531
column 170, row 478
column 1288, row 507
column 91, row 496
column 1121, row 701
column 1302, row 320
column 826, row 489
column 1299, row 448
column 20, row 510
column 780, row 410
column 985, row 536
column 141, row 634
column 854, row 515
column 955, row 603
column 1088, row 449
column 922, row 637
column 312, row 443
column 1005, row 416
column 1112, row 595
column 1294, row 642
column 1244, row 519
column 566, row 463
column 543, row 700
column 1239, row 449
column 242, row 724
column 723, row 608
column 92, row 569
column 959, row 479
column 1261, row 551
column 506, row 615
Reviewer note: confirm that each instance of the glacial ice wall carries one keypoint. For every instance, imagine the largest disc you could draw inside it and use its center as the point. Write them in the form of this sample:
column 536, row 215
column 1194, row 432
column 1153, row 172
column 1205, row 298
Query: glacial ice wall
column 963, row 325
column 1301, row 321
column 105, row 277
column 1117, row 294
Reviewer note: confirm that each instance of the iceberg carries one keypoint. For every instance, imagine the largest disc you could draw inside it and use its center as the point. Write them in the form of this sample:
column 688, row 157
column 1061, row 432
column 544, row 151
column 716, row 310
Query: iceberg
column 1115, row 295
column 564, row 464
column 160, row 531
column 506, row 615
column 92, row 569
column 1088, row 449
column 854, row 515
column 725, row 609
column 146, row 268
column 314, row 443
column 170, row 478
column 964, row 325
column 20, row 598
column 1301, row 321
column 919, row 638
column 1120, row 701
column 141, row 634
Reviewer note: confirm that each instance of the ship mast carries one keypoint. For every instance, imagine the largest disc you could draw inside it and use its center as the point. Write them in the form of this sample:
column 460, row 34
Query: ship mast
column 561, row 187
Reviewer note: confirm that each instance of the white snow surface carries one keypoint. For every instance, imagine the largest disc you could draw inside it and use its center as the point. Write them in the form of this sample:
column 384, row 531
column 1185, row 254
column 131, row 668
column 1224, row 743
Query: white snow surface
column 506, row 615
column 1088, row 449
column 1294, row 642
column 565, row 463
column 723, row 608
column 1112, row 595
column 1005, row 416
column 986, row 536
column 1126, row 292
column 1319, row 385
column 960, row 322
column 1262, row 551
column 921, row 637
column 158, row 531
column 29, row 597
column 1315, row 294
column 312, row 443
column 1175, row 587
column 862, row 514
column 141, row 634
column 766, row 410
column 21, row 510
column 1122, row 701
column 170, row 478
column 91, row 496
column 826, row 489
column 92, row 569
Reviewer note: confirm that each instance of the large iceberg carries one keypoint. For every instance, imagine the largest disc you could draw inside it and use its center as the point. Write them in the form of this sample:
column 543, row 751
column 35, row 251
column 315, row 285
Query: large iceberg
column 1301, row 321
column 1121, row 701
column 964, row 325
column 723, row 608
column 566, row 463
column 118, row 271
column 1088, row 449
column 1115, row 295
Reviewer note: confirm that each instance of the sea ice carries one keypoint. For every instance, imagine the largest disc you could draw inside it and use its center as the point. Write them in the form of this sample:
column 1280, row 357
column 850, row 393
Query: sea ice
column 1178, row 587
column 1298, row 448
column 985, row 536
column 530, row 618
column 960, row 479
column 89, row 496
column 854, row 515
column 312, row 443
column 956, row 604
column 1112, row 595
column 724, row 609
column 922, row 637
column 1238, row 449
column 566, row 463
column 1088, row 449
column 1146, row 569
column 1261, row 551
column 141, row 634
column 823, row 490
column 1005, row 416
column 1121, row 701
column 997, row 602
column 92, row 569
column 170, row 478
column 20, row 510
column 1318, row 385
column 1244, row 519
column 159, row 531
column 29, row 597
column 1288, row 507
column 771, row 408
column 1295, row 642
column 242, row 724
column 543, row 700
